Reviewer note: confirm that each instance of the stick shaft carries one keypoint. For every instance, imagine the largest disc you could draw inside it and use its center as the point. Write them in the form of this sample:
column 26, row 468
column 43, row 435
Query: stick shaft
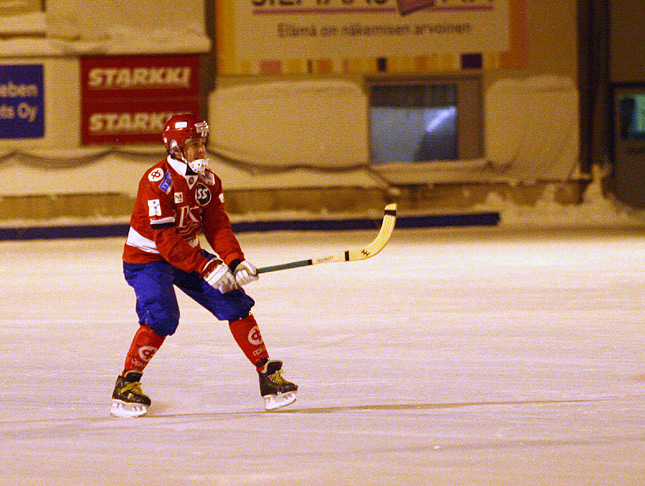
column 389, row 220
column 285, row 266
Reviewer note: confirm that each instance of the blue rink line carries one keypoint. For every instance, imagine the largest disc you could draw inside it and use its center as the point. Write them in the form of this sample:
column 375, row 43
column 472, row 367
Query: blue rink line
column 121, row 230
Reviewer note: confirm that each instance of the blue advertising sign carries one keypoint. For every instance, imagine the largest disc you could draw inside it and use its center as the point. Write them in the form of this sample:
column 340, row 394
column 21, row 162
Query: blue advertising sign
column 22, row 101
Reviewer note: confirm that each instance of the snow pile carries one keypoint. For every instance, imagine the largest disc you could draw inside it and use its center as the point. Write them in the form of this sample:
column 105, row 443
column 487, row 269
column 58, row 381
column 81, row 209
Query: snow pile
column 596, row 210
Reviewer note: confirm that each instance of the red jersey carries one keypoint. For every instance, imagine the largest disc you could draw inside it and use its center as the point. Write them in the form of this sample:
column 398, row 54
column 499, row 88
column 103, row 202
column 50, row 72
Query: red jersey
column 172, row 209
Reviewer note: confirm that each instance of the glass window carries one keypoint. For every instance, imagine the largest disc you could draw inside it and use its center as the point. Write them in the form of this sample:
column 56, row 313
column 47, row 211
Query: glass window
column 413, row 123
column 632, row 117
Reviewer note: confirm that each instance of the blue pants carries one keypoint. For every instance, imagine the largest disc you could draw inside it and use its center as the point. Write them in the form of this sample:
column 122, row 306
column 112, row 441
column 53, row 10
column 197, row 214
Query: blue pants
column 157, row 306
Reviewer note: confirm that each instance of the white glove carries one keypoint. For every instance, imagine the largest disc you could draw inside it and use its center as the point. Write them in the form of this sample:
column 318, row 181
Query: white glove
column 218, row 275
column 245, row 273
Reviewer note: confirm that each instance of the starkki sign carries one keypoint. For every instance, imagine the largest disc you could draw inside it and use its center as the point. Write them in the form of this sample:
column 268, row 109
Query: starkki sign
column 127, row 100
column 22, row 101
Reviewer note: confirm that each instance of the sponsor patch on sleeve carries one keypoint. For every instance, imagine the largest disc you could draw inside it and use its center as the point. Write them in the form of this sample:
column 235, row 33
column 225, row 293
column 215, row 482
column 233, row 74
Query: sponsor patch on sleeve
column 155, row 175
column 166, row 183
column 162, row 222
column 154, row 207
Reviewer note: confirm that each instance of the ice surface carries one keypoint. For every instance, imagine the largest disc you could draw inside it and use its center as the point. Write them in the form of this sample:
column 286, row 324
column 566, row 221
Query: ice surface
column 510, row 355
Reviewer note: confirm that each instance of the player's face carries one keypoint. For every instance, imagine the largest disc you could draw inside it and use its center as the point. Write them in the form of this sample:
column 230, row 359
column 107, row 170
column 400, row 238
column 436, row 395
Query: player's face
column 195, row 149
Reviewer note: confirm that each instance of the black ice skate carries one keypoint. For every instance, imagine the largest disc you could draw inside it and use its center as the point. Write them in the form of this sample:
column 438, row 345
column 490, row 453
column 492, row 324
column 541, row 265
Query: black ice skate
column 276, row 391
column 127, row 398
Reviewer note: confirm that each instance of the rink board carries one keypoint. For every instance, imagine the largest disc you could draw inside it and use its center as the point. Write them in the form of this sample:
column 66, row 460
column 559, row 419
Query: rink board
column 121, row 230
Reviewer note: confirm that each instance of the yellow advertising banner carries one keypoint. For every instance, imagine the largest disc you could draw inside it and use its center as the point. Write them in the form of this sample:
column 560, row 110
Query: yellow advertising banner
column 368, row 36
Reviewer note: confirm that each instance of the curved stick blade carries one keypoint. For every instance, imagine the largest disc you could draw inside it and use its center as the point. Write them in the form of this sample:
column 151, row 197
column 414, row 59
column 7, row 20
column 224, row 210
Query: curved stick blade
column 387, row 227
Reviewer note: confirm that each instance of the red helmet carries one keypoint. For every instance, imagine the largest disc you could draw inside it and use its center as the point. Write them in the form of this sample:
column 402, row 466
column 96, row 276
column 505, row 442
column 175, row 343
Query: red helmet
column 181, row 128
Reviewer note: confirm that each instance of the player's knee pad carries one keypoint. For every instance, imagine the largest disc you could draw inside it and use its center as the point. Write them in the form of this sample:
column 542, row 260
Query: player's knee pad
column 163, row 328
column 234, row 306
column 164, row 323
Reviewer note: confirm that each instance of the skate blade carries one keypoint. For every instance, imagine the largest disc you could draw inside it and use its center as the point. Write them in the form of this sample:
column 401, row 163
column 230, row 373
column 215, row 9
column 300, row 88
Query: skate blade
column 127, row 410
column 273, row 402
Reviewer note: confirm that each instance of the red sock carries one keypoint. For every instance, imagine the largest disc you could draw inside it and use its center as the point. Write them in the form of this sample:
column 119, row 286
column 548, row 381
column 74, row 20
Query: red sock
column 145, row 344
column 247, row 336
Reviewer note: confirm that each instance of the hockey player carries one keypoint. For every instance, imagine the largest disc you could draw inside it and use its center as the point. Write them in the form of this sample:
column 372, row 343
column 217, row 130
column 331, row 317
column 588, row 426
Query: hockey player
column 178, row 199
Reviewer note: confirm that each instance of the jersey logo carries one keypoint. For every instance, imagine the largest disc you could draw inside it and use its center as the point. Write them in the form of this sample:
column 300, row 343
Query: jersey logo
column 156, row 175
column 189, row 218
column 154, row 207
column 166, row 184
column 202, row 194
column 221, row 197
column 208, row 178
column 179, row 197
